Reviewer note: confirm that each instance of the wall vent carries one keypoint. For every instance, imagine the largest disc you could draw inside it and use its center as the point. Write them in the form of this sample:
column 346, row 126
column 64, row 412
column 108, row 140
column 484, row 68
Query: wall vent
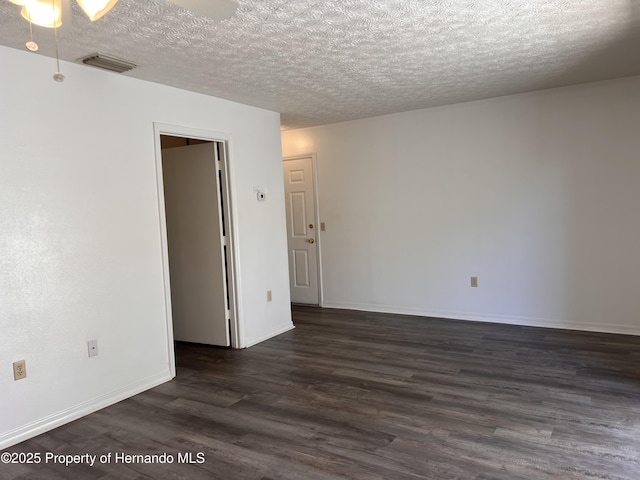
column 108, row 63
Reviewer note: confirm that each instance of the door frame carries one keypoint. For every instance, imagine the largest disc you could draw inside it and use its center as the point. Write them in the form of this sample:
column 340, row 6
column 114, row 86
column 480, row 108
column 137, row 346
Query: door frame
column 229, row 201
column 314, row 169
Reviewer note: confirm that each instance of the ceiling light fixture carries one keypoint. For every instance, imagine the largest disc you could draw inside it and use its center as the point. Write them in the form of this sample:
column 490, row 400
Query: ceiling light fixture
column 95, row 9
column 45, row 13
column 48, row 13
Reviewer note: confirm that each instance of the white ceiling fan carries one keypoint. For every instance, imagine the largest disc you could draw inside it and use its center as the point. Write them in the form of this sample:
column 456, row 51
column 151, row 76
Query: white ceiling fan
column 48, row 13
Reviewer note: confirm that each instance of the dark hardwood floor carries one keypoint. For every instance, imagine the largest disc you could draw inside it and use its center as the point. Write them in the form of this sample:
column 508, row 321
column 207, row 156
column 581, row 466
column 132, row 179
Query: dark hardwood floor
column 375, row 396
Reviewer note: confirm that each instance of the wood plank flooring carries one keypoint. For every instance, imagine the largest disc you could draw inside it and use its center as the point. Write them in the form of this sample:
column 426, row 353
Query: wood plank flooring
column 355, row 395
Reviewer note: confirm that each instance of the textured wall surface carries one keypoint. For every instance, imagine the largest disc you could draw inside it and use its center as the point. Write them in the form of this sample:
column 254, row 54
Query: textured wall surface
column 319, row 62
column 536, row 194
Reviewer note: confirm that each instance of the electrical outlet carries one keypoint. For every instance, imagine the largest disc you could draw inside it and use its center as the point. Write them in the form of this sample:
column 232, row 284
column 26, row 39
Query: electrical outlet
column 19, row 370
column 269, row 296
column 92, row 347
column 474, row 281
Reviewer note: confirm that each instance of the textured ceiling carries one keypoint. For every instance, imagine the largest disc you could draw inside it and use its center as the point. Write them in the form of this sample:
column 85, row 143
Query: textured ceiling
column 319, row 62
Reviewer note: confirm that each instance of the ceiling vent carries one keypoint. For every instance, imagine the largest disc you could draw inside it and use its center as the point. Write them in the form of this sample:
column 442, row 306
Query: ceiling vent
column 108, row 63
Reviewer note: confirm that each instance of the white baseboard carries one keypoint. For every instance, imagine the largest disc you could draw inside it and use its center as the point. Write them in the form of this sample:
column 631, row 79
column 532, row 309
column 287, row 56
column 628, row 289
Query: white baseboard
column 254, row 341
column 30, row 430
column 505, row 319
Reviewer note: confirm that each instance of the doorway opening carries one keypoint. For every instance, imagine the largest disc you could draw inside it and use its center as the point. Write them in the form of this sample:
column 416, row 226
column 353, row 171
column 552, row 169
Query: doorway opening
column 194, row 190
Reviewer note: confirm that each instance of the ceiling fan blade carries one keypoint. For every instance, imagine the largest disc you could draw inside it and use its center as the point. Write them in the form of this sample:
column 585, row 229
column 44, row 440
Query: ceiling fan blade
column 214, row 9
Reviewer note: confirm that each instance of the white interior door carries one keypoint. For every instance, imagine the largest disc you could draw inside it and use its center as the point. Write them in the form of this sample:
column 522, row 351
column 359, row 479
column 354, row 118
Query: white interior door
column 196, row 250
column 299, row 181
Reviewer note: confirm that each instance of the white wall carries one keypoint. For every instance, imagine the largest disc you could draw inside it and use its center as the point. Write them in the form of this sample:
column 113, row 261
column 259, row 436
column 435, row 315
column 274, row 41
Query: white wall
column 536, row 194
column 80, row 234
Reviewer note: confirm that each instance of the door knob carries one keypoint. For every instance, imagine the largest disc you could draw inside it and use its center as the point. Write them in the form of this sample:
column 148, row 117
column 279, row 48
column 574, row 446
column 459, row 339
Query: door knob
column 311, row 240
column 311, row 225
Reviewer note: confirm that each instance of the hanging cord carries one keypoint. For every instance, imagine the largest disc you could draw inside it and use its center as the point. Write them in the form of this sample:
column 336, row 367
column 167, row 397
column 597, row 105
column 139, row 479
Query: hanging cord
column 58, row 77
column 31, row 45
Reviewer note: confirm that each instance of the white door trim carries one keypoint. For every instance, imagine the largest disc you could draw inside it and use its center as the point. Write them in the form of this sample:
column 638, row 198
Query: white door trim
column 233, row 260
column 314, row 164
